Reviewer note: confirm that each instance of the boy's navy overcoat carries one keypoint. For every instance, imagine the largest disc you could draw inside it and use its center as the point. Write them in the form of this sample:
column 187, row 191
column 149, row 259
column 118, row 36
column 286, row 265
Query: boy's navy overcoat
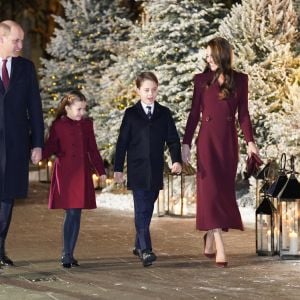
column 144, row 142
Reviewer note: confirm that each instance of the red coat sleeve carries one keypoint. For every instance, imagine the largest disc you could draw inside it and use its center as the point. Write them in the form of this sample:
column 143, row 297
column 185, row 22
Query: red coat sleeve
column 194, row 116
column 243, row 112
column 94, row 155
column 52, row 144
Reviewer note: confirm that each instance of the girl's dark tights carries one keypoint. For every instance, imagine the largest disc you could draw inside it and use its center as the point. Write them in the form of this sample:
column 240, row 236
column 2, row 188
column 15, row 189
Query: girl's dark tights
column 70, row 233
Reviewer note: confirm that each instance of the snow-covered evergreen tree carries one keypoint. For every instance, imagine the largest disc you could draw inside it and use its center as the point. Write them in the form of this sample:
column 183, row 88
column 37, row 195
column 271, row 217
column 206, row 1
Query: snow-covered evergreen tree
column 168, row 42
column 264, row 35
column 80, row 49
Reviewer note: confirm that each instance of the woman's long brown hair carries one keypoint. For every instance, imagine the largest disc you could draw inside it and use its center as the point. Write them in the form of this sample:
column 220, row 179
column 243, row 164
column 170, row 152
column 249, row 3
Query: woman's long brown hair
column 221, row 52
column 68, row 99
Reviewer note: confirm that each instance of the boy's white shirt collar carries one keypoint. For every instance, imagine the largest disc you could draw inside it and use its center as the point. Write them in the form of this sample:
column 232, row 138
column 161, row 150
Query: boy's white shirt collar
column 144, row 105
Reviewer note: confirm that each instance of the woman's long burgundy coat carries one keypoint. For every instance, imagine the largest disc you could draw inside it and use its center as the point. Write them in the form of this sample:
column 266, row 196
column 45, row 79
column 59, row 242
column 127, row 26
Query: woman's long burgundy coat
column 73, row 143
column 217, row 149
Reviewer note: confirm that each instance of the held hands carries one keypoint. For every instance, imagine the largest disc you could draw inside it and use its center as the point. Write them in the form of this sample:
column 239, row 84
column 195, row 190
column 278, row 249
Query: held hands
column 252, row 148
column 176, row 168
column 186, row 153
column 36, row 155
column 118, row 176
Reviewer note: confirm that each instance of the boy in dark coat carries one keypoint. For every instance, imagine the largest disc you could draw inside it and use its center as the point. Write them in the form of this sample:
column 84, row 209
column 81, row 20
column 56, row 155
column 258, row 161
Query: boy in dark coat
column 146, row 127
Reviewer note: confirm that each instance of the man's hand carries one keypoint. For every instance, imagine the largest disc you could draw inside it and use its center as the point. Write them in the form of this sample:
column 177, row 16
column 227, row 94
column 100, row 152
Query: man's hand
column 36, row 155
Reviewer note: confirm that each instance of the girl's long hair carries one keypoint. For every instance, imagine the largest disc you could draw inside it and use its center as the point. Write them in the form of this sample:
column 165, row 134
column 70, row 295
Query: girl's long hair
column 68, row 99
column 221, row 52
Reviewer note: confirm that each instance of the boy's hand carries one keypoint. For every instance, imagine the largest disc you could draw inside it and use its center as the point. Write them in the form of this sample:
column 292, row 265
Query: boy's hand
column 103, row 177
column 118, row 176
column 186, row 153
column 176, row 168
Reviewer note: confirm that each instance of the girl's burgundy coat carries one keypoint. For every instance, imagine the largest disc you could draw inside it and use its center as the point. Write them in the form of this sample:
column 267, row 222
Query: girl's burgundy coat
column 74, row 145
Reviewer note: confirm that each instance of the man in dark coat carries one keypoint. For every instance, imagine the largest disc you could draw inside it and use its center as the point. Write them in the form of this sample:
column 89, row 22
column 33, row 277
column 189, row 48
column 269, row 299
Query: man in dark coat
column 146, row 128
column 21, row 124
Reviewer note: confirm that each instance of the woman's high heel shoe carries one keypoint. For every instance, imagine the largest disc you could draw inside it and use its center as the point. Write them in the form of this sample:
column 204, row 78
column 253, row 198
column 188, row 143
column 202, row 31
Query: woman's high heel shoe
column 208, row 255
column 221, row 264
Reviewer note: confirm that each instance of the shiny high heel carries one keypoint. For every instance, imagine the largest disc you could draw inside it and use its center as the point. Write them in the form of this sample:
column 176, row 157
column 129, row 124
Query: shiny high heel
column 208, row 255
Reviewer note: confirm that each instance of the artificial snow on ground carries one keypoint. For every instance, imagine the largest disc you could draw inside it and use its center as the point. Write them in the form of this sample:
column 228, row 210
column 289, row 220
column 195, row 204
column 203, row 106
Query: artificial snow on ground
column 124, row 202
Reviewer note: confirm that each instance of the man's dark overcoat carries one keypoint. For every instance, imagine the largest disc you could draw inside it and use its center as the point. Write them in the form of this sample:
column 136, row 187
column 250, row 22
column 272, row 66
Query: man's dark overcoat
column 21, row 127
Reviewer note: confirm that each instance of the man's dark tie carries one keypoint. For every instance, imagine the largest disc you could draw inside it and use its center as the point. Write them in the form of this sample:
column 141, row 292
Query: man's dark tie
column 5, row 77
column 149, row 114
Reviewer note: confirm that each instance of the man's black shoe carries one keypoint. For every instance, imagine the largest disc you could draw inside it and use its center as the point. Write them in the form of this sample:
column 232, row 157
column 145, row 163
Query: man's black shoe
column 6, row 261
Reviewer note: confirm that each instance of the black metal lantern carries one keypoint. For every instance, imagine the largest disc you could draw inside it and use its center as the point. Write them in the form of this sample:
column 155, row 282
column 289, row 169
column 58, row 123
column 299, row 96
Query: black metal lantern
column 266, row 228
column 182, row 192
column 262, row 182
column 45, row 169
column 289, row 212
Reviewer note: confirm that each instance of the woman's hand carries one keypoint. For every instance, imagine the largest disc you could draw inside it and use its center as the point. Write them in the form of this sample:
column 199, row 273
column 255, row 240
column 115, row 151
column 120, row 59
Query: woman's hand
column 252, row 148
column 186, row 153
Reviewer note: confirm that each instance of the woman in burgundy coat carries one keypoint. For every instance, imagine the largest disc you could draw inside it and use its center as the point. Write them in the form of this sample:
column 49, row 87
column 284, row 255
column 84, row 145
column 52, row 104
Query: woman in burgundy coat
column 72, row 141
column 219, row 92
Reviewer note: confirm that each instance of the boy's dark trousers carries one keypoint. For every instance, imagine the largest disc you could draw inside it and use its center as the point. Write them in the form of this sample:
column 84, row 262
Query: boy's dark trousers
column 143, row 210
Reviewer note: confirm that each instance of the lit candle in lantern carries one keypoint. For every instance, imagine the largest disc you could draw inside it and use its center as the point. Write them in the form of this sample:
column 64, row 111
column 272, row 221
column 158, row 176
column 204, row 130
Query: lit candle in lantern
column 293, row 242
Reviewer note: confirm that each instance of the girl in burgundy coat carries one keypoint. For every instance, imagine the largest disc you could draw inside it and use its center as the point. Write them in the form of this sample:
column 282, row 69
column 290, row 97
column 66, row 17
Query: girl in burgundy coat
column 219, row 92
column 72, row 141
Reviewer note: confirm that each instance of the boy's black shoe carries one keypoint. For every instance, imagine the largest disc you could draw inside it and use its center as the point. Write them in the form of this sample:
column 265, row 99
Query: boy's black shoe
column 147, row 258
column 75, row 262
column 68, row 265
column 137, row 252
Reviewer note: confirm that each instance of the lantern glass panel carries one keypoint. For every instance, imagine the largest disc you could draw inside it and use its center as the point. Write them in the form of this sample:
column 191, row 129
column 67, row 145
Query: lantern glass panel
column 174, row 194
column 290, row 244
column 264, row 229
column 45, row 169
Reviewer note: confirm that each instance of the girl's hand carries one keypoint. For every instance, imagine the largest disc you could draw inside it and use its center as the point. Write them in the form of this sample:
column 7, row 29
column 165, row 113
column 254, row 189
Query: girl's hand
column 186, row 153
column 118, row 176
column 176, row 168
column 103, row 177
column 252, row 148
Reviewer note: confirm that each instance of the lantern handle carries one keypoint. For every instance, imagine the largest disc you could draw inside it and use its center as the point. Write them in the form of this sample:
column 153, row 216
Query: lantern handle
column 282, row 162
column 292, row 163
